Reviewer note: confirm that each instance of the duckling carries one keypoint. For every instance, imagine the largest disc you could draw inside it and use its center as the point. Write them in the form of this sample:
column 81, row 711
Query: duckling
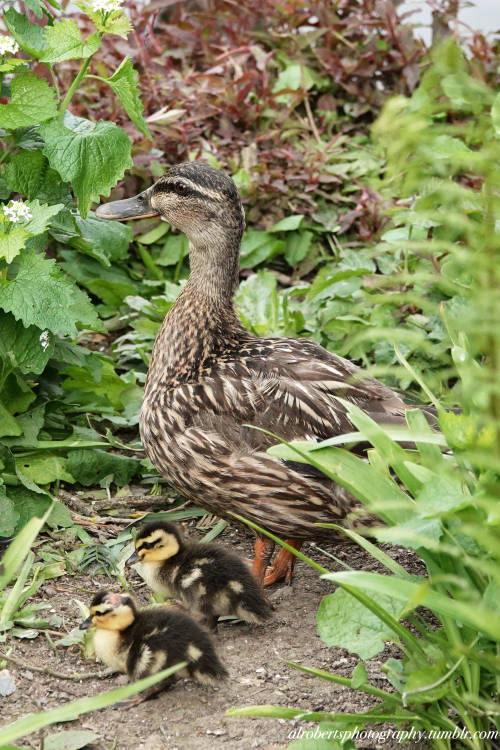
column 141, row 642
column 205, row 577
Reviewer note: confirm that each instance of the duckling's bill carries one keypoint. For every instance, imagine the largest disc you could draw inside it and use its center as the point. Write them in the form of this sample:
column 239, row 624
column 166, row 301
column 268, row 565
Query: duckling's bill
column 138, row 207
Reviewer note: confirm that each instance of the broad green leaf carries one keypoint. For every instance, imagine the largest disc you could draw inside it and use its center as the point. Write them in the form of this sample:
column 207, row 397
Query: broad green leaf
column 439, row 496
column 23, row 347
column 32, row 101
column 8, row 514
column 176, row 247
column 416, row 533
column 8, row 424
column 259, row 246
column 288, row 224
column 29, row 36
column 88, row 466
column 421, row 685
column 92, row 156
column 298, row 245
column 43, row 469
column 28, row 173
column 41, row 295
column 97, row 378
column 63, row 41
column 345, row 623
column 478, row 617
column 31, row 423
column 124, row 84
column 153, row 235
column 106, row 241
column 12, row 242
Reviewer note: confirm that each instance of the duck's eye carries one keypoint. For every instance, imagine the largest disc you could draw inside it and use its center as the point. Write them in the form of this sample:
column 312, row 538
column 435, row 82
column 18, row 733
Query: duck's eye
column 180, row 189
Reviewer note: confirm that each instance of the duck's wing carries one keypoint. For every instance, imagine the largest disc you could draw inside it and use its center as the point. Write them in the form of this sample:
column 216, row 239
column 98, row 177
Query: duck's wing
column 291, row 388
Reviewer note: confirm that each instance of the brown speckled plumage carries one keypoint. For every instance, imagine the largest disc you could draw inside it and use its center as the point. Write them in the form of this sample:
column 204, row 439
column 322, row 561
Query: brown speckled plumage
column 209, row 378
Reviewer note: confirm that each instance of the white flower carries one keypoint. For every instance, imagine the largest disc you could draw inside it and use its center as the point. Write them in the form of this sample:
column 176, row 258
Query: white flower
column 7, row 45
column 107, row 6
column 16, row 211
column 44, row 340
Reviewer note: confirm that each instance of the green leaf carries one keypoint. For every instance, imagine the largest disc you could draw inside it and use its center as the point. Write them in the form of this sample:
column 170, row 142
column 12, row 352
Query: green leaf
column 71, row 711
column 16, row 553
column 8, row 424
column 257, row 247
column 42, row 295
column 124, row 84
column 32, row 101
column 29, row 36
column 43, row 469
column 104, row 240
column 298, row 245
column 97, row 378
column 359, row 675
column 92, row 156
column 8, row 514
column 63, row 41
column 28, row 173
column 440, row 496
column 31, row 423
column 72, row 740
column 22, row 347
column 346, row 623
column 495, row 114
column 478, row 617
column 88, row 466
column 288, row 224
column 176, row 246
column 421, row 685
column 12, row 242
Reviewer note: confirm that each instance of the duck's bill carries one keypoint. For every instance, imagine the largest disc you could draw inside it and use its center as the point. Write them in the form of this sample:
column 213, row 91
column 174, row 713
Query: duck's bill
column 133, row 559
column 85, row 624
column 138, row 207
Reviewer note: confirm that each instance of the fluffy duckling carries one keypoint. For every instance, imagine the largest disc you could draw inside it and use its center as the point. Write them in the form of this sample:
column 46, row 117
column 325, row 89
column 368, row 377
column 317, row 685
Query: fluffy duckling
column 205, row 577
column 143, row 642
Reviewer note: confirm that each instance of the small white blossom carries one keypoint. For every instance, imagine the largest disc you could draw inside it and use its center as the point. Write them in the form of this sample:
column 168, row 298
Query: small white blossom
column 44, row 340
column 107, row 6
column 16, row 211
column 7, row 45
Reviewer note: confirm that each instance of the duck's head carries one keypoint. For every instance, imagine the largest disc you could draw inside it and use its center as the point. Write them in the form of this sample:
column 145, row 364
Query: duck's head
column 110, row 611
column 195, row 198
column 156, row 542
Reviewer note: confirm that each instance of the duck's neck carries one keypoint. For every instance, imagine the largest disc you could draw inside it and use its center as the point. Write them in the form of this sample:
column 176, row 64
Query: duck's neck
column 202, row 324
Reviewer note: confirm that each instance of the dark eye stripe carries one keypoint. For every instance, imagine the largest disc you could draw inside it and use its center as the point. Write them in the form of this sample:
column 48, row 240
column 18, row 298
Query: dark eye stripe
column 147, row 545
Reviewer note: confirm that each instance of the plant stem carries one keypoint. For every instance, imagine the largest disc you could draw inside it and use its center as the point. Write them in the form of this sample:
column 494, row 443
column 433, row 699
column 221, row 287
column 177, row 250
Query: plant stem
column 69, row 95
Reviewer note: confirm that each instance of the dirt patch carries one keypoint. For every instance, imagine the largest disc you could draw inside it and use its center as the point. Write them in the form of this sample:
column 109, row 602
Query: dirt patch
column 192, row 717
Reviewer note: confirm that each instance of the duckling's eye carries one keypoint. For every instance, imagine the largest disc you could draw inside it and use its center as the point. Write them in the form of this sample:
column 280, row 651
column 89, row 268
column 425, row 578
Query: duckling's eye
column 180, row 189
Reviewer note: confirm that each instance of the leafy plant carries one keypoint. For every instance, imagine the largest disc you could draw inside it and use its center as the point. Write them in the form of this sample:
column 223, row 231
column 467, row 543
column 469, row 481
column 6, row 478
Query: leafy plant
column 442, row 505
column 49, row 154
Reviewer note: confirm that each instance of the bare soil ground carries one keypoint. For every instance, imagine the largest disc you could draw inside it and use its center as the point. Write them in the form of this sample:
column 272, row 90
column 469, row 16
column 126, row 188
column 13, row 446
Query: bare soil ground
column 190, row 716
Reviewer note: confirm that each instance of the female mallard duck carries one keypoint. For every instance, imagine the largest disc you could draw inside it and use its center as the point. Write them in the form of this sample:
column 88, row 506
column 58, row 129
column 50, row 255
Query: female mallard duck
column 143, row 642
column 205, row 577
column 210, row 381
